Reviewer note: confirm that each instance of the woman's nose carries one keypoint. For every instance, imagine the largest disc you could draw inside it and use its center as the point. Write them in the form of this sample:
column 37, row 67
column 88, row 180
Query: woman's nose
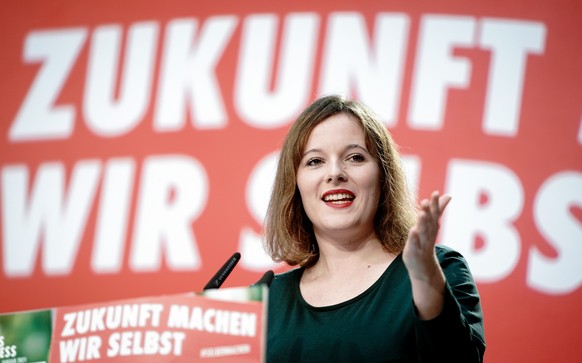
column 336, row 173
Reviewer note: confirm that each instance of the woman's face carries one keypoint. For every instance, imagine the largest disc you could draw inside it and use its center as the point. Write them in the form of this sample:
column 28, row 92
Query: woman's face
column 338, row 179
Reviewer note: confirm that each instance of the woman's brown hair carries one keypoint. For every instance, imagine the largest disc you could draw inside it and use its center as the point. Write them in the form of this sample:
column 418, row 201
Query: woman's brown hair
column 289, row 233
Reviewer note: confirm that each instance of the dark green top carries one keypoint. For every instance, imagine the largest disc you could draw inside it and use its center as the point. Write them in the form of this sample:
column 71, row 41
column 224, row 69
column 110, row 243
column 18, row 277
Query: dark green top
column 379, row 325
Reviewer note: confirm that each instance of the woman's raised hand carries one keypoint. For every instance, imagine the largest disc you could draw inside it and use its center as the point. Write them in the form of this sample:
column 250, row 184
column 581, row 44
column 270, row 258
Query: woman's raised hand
column 419, row 256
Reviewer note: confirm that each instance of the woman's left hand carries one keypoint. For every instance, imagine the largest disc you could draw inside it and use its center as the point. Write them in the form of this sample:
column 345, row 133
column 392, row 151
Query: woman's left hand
column 420, row 259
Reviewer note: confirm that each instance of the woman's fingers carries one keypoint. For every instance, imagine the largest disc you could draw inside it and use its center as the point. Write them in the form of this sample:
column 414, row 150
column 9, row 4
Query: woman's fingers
column 443, row 201
column 434, row 204
column 428, row 218
column 419, row 254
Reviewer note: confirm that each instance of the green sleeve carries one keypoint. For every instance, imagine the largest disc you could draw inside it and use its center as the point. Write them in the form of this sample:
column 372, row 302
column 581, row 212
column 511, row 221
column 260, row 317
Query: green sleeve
column 457, row 333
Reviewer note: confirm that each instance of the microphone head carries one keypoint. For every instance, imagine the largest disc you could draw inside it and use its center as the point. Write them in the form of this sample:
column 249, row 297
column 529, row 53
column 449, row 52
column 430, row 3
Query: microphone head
column 266, row 279
column 221, row 275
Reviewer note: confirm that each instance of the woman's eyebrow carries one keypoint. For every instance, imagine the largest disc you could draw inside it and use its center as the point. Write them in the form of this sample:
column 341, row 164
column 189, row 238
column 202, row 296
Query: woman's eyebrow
column 356, row 146
column 311, row 151
column 347, row 148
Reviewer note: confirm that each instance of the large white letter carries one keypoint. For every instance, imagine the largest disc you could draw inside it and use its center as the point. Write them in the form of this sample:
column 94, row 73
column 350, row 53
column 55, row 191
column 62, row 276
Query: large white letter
column 487, row 199
column 436, row 70
column 172, row 195
column 374, row 71
column 562, row 274
column 37, row 118
column 61, row 216
column 111, row 225
column 258, row 103
column 509, row 42
column 188, row 73
column 258, row 191
column 104, row 115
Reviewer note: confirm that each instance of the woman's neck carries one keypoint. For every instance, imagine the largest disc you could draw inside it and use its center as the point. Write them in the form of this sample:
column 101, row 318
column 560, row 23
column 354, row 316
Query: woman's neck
column 343, row 271
column 347, row 255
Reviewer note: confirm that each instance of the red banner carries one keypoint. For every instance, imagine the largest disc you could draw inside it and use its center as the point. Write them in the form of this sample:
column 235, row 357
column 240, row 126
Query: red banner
column 226, row 325
column 177, row 328
column 140, row 139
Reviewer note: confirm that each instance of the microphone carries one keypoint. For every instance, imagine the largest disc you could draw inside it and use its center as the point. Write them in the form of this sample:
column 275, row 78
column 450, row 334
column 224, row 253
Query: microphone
column 266, row 279
column 221, row 275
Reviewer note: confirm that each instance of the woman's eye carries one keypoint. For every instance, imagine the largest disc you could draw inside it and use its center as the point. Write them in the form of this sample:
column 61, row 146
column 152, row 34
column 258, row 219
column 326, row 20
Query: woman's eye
column 313, row 162
column 358, row 158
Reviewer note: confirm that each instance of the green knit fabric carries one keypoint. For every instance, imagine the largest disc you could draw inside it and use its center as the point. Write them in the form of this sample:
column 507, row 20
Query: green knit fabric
column 379, row 325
